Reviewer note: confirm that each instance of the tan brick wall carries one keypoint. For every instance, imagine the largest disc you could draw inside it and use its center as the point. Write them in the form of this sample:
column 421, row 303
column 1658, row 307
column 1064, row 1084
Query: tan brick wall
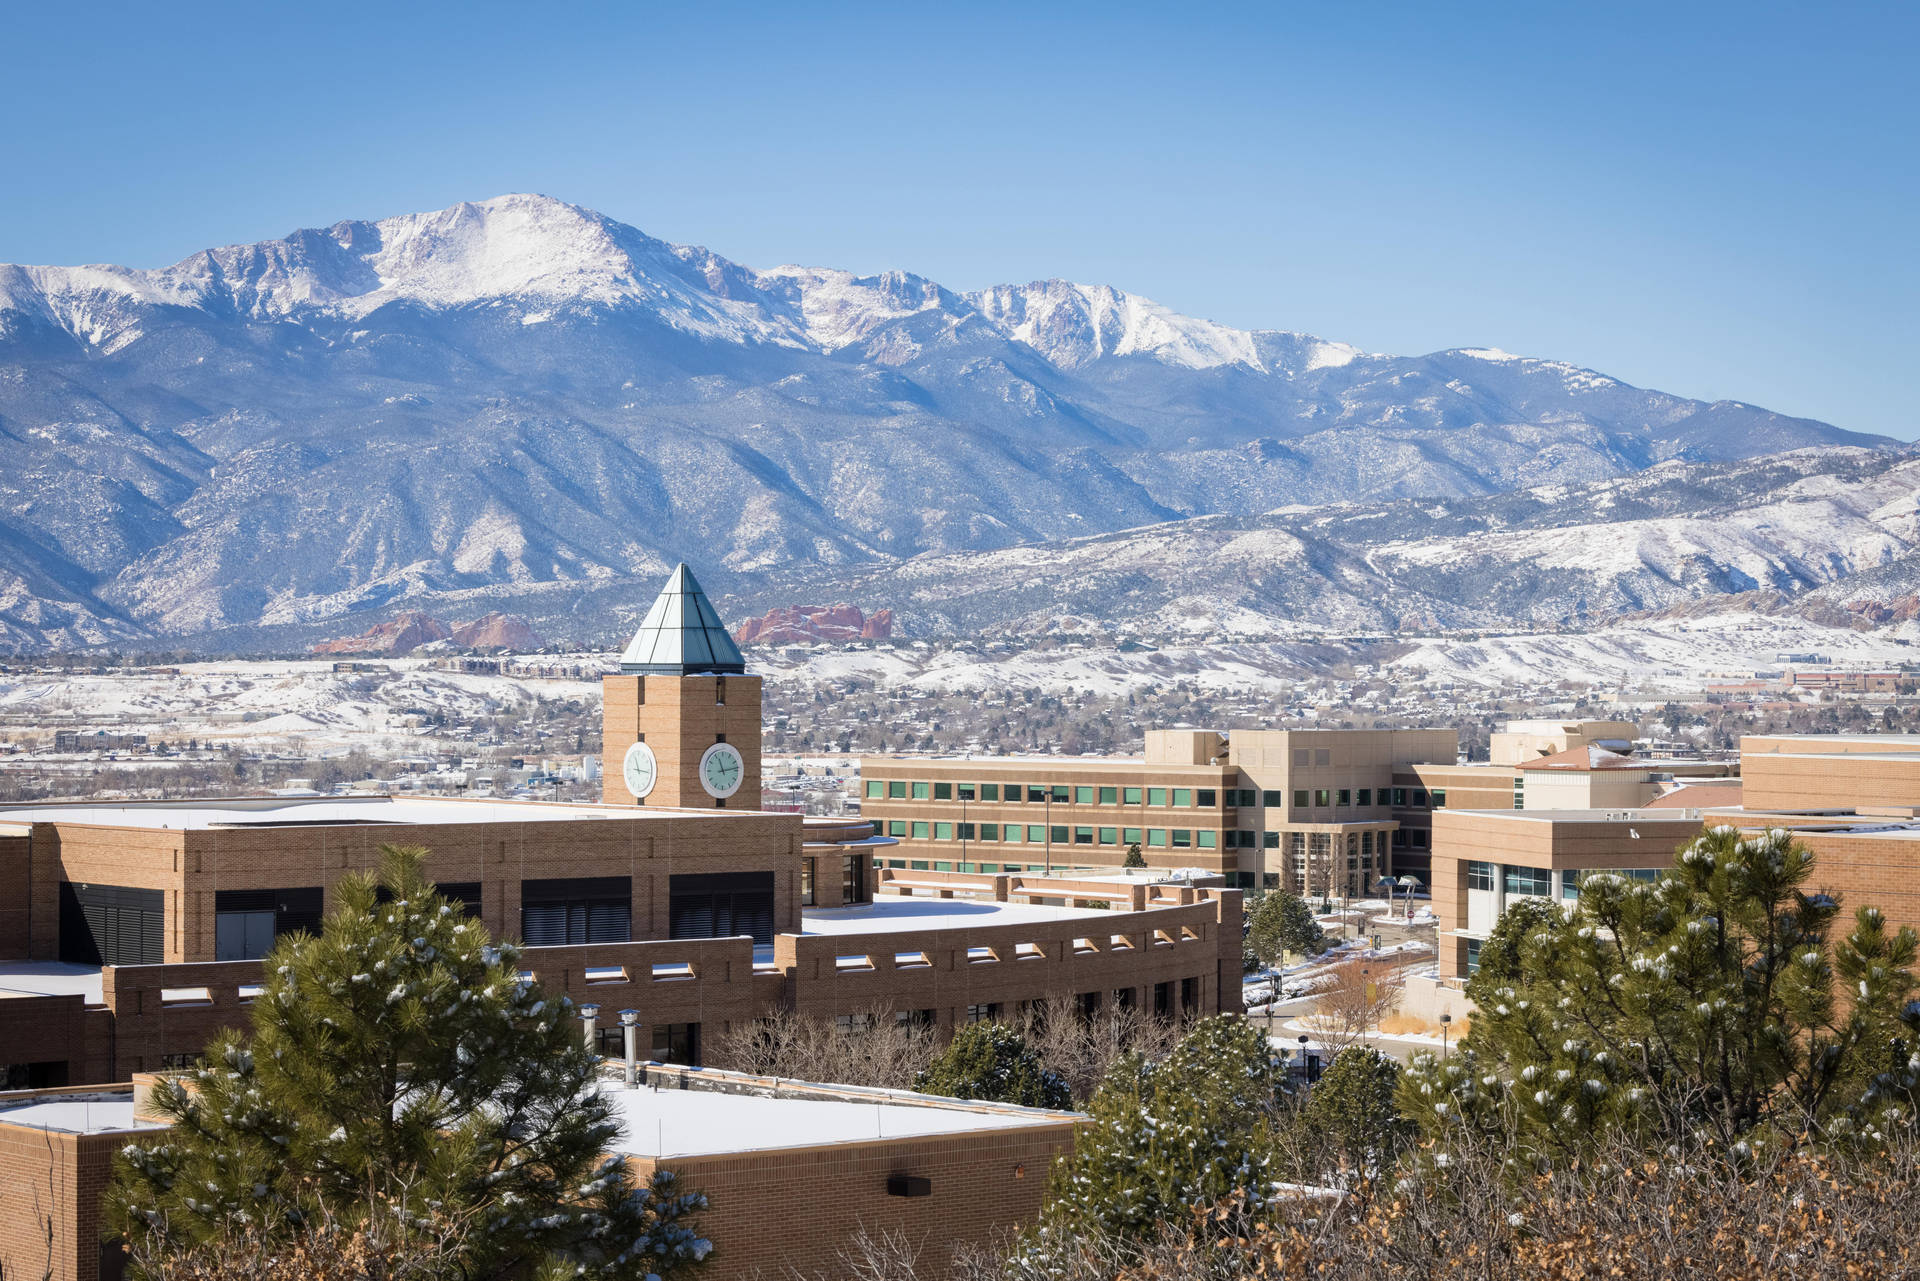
column 1784, row 774
column 793, row 1212
column 52, row 1182
column 680, row 717
column 86, row 854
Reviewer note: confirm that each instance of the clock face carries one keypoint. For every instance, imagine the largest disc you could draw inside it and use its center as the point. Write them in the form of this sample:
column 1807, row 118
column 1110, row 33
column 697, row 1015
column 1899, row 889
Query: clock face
column 721, row 770
column 639, row 770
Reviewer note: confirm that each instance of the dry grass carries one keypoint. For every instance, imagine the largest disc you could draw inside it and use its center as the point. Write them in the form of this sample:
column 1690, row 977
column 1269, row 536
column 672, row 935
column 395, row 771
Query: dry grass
column 1412, row 1025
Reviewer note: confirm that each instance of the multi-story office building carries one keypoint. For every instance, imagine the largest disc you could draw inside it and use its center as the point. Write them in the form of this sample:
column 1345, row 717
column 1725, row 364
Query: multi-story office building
column 1854, row 800
column 131, row 933
column 1312, row 809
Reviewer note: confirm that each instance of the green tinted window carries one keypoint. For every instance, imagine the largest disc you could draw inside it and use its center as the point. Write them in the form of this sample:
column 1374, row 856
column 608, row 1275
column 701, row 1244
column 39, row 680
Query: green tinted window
column 1036, row 833
column 943, row 791
column 1131, row 835
column 1183, row 798
column 943, row 867
column 1133, row 795
column 989, row 791
column 1060, row 835
column 1182, row 836
column 989, row 831
column 1109, row 796
column 943, row 831
column 1012, row 832
column 920, row 831
column 1156, row 796
column 876, row 789
column 897, row 827
column 1060, row 794
column 897, row 790
column 1156, row 836
column 1083, row 796
column 920, row 791
column 1208, row 839
column 1083, row 836
column 1109, row 836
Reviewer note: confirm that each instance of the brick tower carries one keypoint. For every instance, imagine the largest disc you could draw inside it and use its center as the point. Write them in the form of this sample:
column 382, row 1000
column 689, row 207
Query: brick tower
column 680, row 726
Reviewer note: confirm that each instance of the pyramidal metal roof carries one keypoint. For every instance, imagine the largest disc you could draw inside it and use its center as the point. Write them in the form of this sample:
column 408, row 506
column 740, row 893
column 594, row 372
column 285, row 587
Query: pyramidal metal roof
column 681, row 635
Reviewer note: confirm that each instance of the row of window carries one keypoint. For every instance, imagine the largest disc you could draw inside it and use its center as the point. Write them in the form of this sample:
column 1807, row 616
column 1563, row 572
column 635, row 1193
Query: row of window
column 1162, row 797
column 1059, row 794
column 1538, row 881
column 1058, row 834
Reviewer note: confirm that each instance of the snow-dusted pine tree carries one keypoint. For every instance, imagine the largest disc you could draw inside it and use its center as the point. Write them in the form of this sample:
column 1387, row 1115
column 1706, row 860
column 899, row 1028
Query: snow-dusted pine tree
column 406, row 1098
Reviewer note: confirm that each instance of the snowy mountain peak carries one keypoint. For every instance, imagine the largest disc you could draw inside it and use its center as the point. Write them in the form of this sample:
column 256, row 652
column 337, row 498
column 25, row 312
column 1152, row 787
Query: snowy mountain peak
column 1072, row 325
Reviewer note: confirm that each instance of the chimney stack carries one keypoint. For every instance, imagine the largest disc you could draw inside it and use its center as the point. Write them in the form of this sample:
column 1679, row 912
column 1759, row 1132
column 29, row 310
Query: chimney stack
column 590, row 1017
column 630, row 1024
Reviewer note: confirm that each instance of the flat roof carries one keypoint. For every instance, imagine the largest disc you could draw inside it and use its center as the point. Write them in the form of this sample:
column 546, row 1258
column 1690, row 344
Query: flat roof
column 1667, row 815
column 103, row 1113
column 894, row 913
column 326, row 811
column 671, row 1122
column 1109, row 764
column 50, row 978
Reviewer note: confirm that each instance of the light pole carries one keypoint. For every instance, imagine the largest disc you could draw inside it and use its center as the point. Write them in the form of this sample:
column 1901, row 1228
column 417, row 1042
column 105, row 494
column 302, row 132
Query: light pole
column 1303, row 1057
column 1445, row 1019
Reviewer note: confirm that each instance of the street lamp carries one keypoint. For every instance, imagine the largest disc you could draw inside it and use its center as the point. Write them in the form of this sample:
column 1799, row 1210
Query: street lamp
column 1303, row 1056
column 1445, row 1019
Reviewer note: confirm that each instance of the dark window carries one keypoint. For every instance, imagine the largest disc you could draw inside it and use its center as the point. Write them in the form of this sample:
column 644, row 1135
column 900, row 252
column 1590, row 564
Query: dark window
column 966, row 791
column 806, row 882
column 711, row 905
column 1109, row 796
column 1270, row 840
column 1189, row 995
column 989, row 791
column 111, row 925
column 1300, row 797
column 853, row 880
column 1206, row 798
column 1529, row 880
column 943, row 791
column 48, row 1074
column 1270, row 799
column 246, row 922
column 593, row 909
column 1366, row 796
column 678, row 1042
column 1163, row 999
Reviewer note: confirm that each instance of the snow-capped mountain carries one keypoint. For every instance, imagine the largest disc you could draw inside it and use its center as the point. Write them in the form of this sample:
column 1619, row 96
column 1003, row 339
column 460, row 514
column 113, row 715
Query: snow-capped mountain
column 524, row 396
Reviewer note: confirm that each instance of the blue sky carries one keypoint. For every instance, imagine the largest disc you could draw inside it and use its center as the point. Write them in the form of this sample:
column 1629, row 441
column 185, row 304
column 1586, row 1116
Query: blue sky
column 1713, row 199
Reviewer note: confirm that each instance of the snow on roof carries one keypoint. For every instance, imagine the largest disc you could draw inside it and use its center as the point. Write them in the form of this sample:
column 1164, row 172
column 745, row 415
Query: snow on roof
column 101, row 1113
column 295, row 811
column 670, row 1123
column 893, row 913
column 1587, row 756
column 50, row 978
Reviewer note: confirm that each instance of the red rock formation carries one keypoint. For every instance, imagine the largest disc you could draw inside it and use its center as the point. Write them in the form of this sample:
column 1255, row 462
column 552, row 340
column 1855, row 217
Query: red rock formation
column 498, row 631
column 399, row 635
column 808, row 624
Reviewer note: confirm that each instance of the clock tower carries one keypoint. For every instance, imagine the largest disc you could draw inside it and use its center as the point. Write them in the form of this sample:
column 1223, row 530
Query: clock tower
column 680, row 726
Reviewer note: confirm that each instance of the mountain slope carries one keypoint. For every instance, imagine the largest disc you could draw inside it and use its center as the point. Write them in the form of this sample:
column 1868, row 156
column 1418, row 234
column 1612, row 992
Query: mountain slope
column 520, row 394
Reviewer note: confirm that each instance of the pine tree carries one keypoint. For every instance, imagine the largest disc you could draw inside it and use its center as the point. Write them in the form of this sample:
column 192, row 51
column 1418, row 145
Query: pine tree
column 1352, row 1108
column 1134, row 857
column 406, row 1088
column 1709, row 1006
column 988, row 1061
column 1281, row 922
column 1192, row 1130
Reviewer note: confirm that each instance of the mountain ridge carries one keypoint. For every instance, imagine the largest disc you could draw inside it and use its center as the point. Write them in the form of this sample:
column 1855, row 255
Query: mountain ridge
column 521, row 393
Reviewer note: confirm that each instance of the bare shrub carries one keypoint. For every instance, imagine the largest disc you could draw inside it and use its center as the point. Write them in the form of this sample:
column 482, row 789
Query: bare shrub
column 873, row 1048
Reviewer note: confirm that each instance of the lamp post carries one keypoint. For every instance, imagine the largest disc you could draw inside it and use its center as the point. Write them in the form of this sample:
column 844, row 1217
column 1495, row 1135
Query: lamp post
column 1303, row 1056
column 1445, row 1019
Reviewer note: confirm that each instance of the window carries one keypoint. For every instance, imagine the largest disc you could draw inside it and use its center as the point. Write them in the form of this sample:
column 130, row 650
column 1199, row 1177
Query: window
column 1012, row 796
column 1208, row 839
column 1400, row 797
column 1083, row 836
column 1012, row 832
column 1366, row 844
column 1300, row 797
column 1109, row 796
column 593, row 909
column 896, row 827
column 943, row 831
column 1206, row 799
column 1536, row 881
column 1365, row 797
column 918, row 865
column 1132, row 795
column 1183, row 798
column 1418, row 838
column 965, row 791
column 1156, row 836
column 1439, row 798
column 1299, row 756
column 1036, row 833
column 853, row 879
column 875, row 789
column 1322, row 798
column 943, row 791
column 1399, row 838
column 806, row 882
column 1419, row 797
column 246, row 922
column 989, row 867
column 1109, row 836
column 921, row 830
column 986, row 1013
column 1060, row 794
column 989, row 791
column 989, row 831
column 1473, row 956
column 1270, row 840
column 677, row 1043
column 1346, row 796
column 1131, row 835
column 1270, row 799
column 897, row 791
column 1157, row 796
column 1322, row 757
column 1036, row 794
column 966, row 831
column 920, row 791
column 1479, row 875
column 1182, row 837
column 1083, row 796
column 942, row 867
column 1249, row 797
column 1570, row 883
column 1060, row 834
